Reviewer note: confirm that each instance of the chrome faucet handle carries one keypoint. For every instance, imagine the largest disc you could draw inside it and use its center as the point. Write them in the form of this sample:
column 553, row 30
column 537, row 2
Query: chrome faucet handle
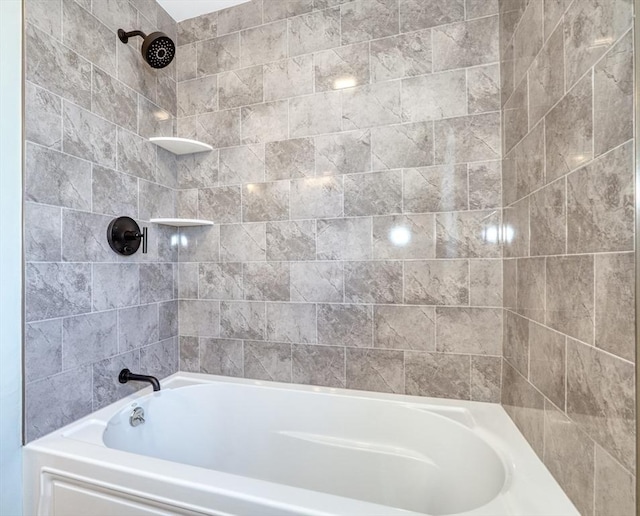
column 137, row 416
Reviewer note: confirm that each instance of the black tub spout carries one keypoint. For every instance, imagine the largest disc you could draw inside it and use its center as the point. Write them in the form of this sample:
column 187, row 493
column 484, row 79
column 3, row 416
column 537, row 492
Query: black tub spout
column 127, row 376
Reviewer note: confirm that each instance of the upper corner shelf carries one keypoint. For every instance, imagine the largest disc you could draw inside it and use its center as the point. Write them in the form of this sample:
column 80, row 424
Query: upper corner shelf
column 180, row 146
column 182, row 223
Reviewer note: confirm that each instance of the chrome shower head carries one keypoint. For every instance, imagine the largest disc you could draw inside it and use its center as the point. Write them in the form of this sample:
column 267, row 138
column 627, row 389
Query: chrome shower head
column 158, row 49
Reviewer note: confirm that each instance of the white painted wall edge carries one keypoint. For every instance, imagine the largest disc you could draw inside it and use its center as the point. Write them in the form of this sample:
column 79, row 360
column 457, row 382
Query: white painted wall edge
column 11, row 257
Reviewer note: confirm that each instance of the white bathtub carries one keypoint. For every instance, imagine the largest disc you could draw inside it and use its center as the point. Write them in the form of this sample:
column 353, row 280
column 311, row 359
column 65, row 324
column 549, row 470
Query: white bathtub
column 214, row 445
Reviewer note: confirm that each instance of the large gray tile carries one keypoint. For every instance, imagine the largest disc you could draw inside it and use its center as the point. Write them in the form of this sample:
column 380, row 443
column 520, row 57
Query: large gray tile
column 404, row 55
column 218, row 54
column 42, row 349
column 160, row 359
column 267, row 281
column 547, row 221
column 114, row 101
column 219, row 281
column 242, row 16
column 341, row 67
column 404, row 327
column 403, row 236
column 294, row 240
column 344, row 239
column 223, row 357
column 42, row 233
column 345, row 325
column 378, row 193
column 434, row 96
column 87, row 136
column 419, row 14
column 88, row 338
column 318, row 365
column 317, row 197
column 375, row 370
column 436, row 282
column 43, row 118
column 267, row 361
column 315, row 114
column 115, row 285
column 292, row 322
column 614, row 486
column 265, row 122
column 441, row 188
column 469, row 330
column 137, row 327
column 242, row 242
column 373, row 282
column 198, row 318
column 244, row 164
column 343, row 153
column 317, row 282
column 288, row 78
column 547, row 351
column 465, row 44
column 363, row 20
column 314, row 31
column 473, row 234
column 265, row 201
column 263, row 44
column 438, row 375
column 243, row 320
column 289, row 159
column 371, row 105
column 470, row 138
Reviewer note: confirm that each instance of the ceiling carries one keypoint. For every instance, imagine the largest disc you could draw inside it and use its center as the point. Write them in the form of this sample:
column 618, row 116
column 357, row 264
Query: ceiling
column 185, row 9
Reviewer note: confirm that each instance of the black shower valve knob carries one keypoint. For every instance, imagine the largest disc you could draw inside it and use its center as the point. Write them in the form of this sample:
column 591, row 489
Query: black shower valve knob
column 125, row 237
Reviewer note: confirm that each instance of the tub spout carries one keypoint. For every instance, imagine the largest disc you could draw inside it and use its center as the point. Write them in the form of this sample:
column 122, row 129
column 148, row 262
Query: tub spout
column 127, row 376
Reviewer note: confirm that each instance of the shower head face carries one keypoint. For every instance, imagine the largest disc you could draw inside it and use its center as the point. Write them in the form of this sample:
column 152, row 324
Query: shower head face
column 158, row 49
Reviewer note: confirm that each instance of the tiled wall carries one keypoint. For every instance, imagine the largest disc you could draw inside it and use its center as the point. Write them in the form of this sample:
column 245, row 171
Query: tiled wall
column 90, row 103
column 568, row 189
column 355, row 188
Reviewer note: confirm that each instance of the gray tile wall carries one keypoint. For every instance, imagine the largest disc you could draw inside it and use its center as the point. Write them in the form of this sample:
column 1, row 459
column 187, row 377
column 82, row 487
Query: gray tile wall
column 341, row 127
column 90, row 103
column 568, row 190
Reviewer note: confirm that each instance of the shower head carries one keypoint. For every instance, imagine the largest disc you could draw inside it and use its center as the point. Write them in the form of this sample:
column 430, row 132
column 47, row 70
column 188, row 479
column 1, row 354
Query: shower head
column 158, row 49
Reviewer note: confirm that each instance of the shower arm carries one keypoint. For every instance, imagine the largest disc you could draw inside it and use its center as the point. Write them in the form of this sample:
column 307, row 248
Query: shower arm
column 124, row 36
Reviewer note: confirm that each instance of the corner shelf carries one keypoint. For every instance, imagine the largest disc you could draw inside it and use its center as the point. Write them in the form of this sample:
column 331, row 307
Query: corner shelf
column 180, row 146
column 182, row 223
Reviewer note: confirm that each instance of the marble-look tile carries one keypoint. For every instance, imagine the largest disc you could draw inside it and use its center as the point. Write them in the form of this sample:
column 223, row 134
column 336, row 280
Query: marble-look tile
column 43, row 119
column 199, row 170
column 318, row 365
column 316, row 197
column 57, row 68
column 315, row 114
column 135, row 73
column 613, row 93
column 220, row 356
column 267, row 361
column 288, row 78
column 187, row 280
column 315, row 31
column 265, row 201
column 243, row 320
column 198, row 318
column 219, row 129
column 481, row 8
column 465, row 44
column 42, row 233
column 156, row 282
column 280, row 9
column 419, row 14
column 187, row 204
column 266, row 281
column 569, row 131
column 189, row 354
column 114, row 101
column 587, row 37
column 438, row 375
column 88, row 228
column 515, row 115
column 404, row 55
column 515, row 345
column 186, row 62
column 198, row 28
column 614, row 486
column 531, row 289
column 375, row 370
column 54, row 402
column 156, row 201
column 106, row 387
column 137, row 327
column 88, row 338
column 136, row 156
column 114, row 193
column 442, row 188
column 344, row 239
column 436, row 282
column 615, row 304
column 529, row 162
column 317, row 282
column 265, row 122
column 115, row 285
column 263, row 44
column 46, row 15
column 472, row 234
column 88, row 37
column 569, row 454
column 486, row 381
column 525, row 406
column 469, row 330
column 507, row 71
column 341, row 67
column 371, row 105
column 220, row 205
column 241, row 16
column 509, row 283
column 42, row 349
column 553, row 11
column 87, row 136
column 516, row 222
column 198, row 96
column 345, row 325
column 160, row 359
column 547, row 221
column 294, row 240
column 546, row 78
column 219, row 281
column 218, row 54
column 600, row 399
column 404, row 327
column 378, row 193
column 485, row 278
column 153, row 120
column 292, row 322
column 600, row 204
column 363, row 20
column 403, row 237
column 468, row 138
column 373, row 282
column 57, row 290
column 483, row 89
column 434, row 96
column 401, row 146
column 245, row 164
column 343, row 153
column 570, row 295
column 242, row 242
column 289, row 159
column 528, row 38
column 200, row 244
column 547, row 353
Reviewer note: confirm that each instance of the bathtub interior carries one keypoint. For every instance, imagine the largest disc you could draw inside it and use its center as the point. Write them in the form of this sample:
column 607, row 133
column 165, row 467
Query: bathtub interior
column 408, row 456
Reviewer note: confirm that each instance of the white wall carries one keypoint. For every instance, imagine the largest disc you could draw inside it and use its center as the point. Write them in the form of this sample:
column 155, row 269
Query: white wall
column 10, row 257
